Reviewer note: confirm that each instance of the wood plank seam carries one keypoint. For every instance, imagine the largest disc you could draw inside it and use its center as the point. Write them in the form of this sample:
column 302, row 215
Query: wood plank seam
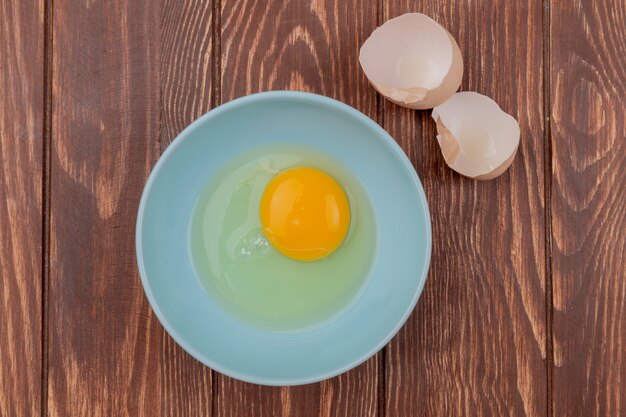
column 45, row 198
column 216, row 56
column 547, row 156
column 216, row 100
column 382, row 368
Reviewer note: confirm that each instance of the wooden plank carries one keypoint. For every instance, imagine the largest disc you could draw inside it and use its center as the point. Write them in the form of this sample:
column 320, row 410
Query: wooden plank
column 307, row 46
column 476, row 343
column 186, row 79
column 21, row 176
column 126, row 79
column 588, row 202
column 186, row 64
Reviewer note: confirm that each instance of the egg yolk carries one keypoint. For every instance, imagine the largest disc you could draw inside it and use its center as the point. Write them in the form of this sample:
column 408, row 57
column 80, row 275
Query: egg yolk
column 305, row 213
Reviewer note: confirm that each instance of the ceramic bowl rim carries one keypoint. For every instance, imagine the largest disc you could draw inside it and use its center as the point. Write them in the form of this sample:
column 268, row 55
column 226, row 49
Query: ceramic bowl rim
column 338, row 106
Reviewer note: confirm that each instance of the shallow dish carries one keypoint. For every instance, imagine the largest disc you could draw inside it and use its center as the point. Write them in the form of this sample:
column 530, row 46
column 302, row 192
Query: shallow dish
column 217, row 338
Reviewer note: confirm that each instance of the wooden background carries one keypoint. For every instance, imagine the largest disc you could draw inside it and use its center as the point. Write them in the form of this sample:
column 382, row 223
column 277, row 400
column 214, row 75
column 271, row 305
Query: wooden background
column 524, row 311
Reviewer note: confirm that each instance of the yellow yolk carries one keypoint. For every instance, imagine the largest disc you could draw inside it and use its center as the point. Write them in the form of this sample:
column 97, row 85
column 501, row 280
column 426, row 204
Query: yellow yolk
column 305, row 213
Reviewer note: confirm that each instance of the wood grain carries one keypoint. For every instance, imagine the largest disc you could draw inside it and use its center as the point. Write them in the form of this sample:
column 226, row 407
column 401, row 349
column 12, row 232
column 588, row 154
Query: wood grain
column 186, row 79
column 126, row 78
column 308, row 46
column 185, row 64
column 588, row 206
column 475, row 346
column 21, row 177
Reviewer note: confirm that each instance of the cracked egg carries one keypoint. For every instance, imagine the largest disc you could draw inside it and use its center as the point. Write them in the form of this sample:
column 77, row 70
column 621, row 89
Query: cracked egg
column 412, row 61
column 477, row 138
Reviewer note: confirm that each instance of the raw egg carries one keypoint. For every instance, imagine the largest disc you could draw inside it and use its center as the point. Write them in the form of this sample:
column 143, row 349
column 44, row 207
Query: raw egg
column 305, row 213
column 268, row 203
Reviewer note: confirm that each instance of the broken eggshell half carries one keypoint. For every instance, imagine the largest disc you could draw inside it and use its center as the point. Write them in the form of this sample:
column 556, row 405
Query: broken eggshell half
column 476, row 137
column 413, row 61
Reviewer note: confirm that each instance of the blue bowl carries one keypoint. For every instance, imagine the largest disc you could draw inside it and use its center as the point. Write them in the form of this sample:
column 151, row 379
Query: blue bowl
column 214, row 336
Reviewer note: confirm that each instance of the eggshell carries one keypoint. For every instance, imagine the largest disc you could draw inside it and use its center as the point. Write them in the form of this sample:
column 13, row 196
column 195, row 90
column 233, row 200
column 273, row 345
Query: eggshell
column 477, row 139
column 412, row 61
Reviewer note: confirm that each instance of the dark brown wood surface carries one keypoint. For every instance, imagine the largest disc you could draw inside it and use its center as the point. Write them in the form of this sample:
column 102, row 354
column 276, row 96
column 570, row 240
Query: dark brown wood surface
column 21, row 206
column 524, row 311
column 588, row 206
column 125, row 78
